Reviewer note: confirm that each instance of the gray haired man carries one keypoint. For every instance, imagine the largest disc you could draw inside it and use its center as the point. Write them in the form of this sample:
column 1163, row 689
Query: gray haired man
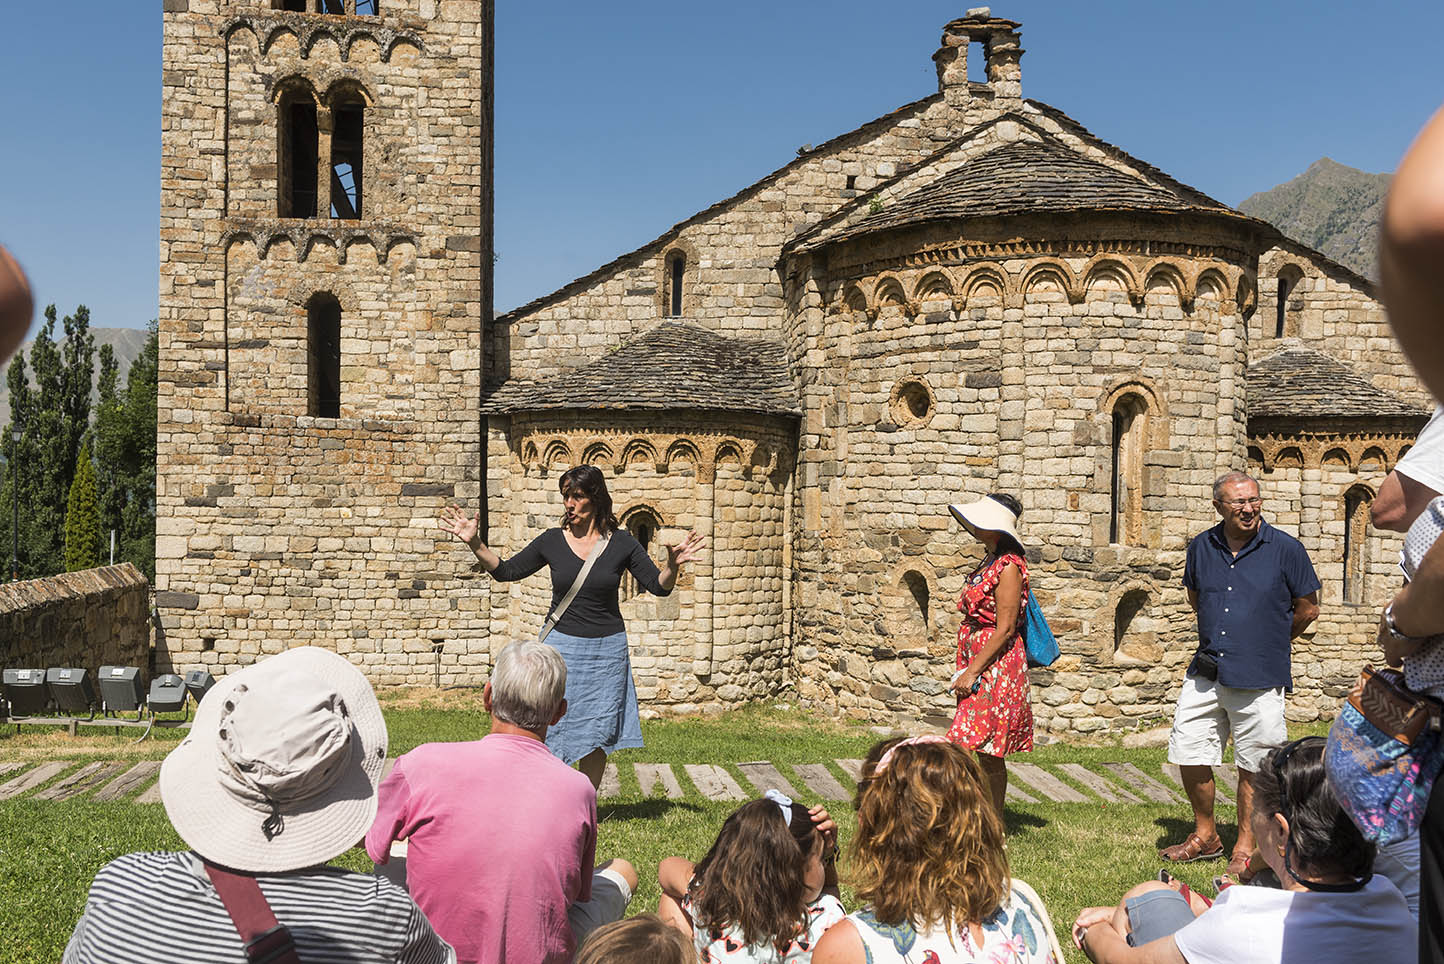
column 501, row 834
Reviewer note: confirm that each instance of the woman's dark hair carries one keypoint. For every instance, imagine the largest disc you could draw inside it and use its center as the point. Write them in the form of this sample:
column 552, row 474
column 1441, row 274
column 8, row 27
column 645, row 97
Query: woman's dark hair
column 588, row 481
column 1006, row 543
column 753, row 877
column 1322, row 838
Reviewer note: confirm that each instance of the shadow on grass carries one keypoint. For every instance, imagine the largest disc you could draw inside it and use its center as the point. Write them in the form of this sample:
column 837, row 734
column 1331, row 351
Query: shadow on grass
column 1173, row 830
column 1015, row 821
column 645, row 809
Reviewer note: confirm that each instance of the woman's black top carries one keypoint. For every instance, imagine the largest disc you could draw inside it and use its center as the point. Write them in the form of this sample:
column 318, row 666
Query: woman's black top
column 595, row 611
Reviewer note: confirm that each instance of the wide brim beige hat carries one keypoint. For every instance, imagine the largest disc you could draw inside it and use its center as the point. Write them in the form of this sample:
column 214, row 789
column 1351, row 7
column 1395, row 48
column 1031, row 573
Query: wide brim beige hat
column 280, row 769
column 988, row 514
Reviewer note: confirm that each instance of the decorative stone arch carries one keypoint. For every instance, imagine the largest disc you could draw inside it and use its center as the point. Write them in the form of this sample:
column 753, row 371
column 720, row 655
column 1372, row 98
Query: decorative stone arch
column 1285, row 318
column 1255, row 460
column 888, row 292
column 529, row 455
column 678, row 251
column 683, row 450
column 1355, row 507
column 983, row 280
column 295, row 85
column 1373, row 454
column 765, row 460
column 557, row 454
column 854, row 300
column 728, row 453
column 312, row 240
column 1338, row 457
column 935, row 285
column 1166, row 273
column 1211, row 284
column 1246, row 296
column 635, row 451
column 342, row 88
column 1053, row 270
column 1106, row 266
column 1288, row 457
column 599, row 454
column 1159, row 432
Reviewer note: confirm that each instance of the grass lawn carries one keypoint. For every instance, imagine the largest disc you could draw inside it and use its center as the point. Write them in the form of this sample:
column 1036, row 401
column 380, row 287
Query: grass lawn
column 1074, row 855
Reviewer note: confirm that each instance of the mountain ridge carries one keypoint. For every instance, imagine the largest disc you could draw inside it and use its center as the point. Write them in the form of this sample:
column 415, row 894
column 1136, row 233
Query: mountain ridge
column 1332, row 208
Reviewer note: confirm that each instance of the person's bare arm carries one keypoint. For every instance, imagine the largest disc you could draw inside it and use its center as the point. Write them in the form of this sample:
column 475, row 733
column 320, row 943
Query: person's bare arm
column 1193, row 599
column 1417, row 612
column 468, row 530
column 1411, row 251
column 840, row 945
column 1401, row 500
column 1306, row 610
column 1006, row 598
column 674, row 876
column 1104, row 945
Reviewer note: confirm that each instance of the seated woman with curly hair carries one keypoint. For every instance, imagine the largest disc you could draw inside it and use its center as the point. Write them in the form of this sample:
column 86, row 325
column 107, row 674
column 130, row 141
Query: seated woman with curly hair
column 929, row 862
column 1330, row 910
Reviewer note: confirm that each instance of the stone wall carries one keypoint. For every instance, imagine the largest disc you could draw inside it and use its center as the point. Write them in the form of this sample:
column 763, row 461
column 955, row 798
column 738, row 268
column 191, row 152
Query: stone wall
column 721, row 636
column 93, row 618
column 277, row 524
column 1334, row 310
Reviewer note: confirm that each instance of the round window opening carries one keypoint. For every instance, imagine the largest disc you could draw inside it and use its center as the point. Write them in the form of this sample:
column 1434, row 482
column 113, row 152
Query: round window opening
column 912, row 402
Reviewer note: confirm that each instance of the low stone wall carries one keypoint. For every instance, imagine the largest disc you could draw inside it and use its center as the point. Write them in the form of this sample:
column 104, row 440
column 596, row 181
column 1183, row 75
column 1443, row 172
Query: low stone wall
column 92, row 618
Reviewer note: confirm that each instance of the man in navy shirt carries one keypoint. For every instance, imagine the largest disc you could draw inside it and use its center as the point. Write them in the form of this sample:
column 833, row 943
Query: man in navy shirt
column 1254, row 589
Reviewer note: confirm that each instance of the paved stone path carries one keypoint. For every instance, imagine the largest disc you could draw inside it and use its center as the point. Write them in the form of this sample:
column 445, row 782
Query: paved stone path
column 1108, row 784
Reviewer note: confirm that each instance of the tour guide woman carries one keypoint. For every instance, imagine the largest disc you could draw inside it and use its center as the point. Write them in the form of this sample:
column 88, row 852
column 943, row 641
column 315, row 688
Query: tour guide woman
column 994, row 717
column 601, row 698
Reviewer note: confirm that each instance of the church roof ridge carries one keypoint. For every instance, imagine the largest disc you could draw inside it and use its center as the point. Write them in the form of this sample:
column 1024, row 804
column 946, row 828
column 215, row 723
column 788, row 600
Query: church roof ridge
column 675, row 365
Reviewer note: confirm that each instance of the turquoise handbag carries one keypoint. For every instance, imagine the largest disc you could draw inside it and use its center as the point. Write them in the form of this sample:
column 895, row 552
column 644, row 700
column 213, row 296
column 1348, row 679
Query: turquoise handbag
column 1037, row 637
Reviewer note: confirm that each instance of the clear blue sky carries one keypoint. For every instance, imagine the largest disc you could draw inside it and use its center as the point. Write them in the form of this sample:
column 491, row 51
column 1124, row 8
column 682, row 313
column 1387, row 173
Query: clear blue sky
column 614, row 121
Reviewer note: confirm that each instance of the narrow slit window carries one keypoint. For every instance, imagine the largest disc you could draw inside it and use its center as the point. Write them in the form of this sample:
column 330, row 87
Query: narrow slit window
column 679, row 269
column 643, row 528
column 1125, row 520
column 323, row 369
column 917, row 585
column 299, row 144
column 1356, row 540
column 346, row 160
column 1282, row 310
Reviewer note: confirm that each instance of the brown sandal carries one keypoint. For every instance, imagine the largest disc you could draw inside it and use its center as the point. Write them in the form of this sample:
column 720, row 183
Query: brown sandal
column 1193, row 848
column 1238, row 866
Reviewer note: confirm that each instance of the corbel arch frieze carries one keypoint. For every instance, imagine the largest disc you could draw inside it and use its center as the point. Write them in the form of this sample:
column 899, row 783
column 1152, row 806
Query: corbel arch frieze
column 305, row 234
column 1313, row 452
column 1050, row 269
column 1110, row 266
column 934, row 284
column 888, row 290
column 703, row 451
column 1210, row 283
column 983, row 277
column 266, row 27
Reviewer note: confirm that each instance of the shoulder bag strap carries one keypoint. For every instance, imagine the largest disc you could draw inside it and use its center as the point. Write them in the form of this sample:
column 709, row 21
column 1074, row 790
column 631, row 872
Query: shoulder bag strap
column 266, row 940
column 597, row 549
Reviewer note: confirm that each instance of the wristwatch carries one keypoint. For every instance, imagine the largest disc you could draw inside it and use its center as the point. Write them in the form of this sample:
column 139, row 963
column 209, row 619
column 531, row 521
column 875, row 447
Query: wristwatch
column 1393, row 630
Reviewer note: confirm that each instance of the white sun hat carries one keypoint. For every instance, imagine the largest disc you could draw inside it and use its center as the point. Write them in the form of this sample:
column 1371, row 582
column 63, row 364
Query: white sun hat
column 988, row 514
column 280, row 769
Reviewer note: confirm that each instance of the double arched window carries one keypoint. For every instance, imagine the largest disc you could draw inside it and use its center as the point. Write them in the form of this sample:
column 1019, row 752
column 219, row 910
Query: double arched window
column 320, row 152
column 364, row 8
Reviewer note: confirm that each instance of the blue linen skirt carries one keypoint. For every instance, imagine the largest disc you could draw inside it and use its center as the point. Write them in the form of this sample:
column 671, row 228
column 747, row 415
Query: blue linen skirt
column 601, row 697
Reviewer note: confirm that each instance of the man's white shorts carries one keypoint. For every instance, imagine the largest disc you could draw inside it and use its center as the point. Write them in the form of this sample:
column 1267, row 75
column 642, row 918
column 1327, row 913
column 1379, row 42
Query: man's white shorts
column 610, row 897
column 1208, row 712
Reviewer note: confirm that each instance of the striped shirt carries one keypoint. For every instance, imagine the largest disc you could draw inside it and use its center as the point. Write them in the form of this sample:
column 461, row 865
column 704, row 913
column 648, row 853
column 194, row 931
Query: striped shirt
column 161, row 907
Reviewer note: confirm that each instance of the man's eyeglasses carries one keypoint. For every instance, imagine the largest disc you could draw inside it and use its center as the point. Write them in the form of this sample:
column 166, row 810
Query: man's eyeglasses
column 1241, row 503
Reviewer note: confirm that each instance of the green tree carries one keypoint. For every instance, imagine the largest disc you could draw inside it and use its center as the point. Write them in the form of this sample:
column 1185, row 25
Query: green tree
column 125, row 454
column 82, row 517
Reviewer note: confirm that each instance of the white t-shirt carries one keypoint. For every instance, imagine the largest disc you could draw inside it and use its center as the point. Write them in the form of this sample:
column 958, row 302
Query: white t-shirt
column 726, row 947
column 1260, row 925
column 1424, row 463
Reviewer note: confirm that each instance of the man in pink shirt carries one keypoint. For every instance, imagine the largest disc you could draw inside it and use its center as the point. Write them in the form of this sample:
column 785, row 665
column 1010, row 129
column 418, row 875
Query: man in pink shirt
column 501, row 834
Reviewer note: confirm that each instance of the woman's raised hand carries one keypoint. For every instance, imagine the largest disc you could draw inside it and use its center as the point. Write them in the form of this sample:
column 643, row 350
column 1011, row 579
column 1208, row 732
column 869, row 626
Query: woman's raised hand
column 459, row 524
column 687, row 550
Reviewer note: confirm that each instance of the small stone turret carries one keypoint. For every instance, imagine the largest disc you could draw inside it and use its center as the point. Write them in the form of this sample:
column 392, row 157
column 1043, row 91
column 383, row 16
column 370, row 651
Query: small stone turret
column 1001, row 52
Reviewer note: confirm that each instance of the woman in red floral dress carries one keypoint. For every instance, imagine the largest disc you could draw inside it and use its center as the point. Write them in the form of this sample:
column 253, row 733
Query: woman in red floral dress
column 994, row 717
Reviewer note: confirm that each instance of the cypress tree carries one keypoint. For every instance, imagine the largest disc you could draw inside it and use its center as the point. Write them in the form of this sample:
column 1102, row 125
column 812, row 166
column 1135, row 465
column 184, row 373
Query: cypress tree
column 82, row 517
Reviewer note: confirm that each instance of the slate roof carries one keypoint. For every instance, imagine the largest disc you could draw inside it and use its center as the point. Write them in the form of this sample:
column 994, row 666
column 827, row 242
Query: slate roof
column 1030, row 177
column 675, row 365
column 1299, row 382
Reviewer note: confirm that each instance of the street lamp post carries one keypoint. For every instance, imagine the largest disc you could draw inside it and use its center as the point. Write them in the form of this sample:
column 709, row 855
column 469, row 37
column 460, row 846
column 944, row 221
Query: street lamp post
column 15, row 433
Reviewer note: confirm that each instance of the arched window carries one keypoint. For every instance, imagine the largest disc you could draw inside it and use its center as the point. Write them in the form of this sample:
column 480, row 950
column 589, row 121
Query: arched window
column 676, row 272
column 1356, row 544
column 348, row 115
column 323, row 362
column 643, row 526
column 1130, row 421
column 367, row 8
column 917, row 584
column 298, row 143
column 295, row 6
column 1286, row 322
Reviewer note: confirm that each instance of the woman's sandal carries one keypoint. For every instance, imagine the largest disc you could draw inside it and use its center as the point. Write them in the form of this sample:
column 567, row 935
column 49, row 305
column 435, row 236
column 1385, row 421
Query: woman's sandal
column 1187, row 892
column 1238, row 867
column 1193, row 848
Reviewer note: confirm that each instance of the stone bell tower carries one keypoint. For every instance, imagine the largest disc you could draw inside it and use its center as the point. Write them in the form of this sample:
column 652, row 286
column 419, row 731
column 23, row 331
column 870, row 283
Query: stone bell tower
column 325, row 281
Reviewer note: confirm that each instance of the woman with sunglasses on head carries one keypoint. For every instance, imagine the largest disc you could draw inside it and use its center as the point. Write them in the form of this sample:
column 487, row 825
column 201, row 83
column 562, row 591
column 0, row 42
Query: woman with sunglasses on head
column 601, row 699
column 1330, row 910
